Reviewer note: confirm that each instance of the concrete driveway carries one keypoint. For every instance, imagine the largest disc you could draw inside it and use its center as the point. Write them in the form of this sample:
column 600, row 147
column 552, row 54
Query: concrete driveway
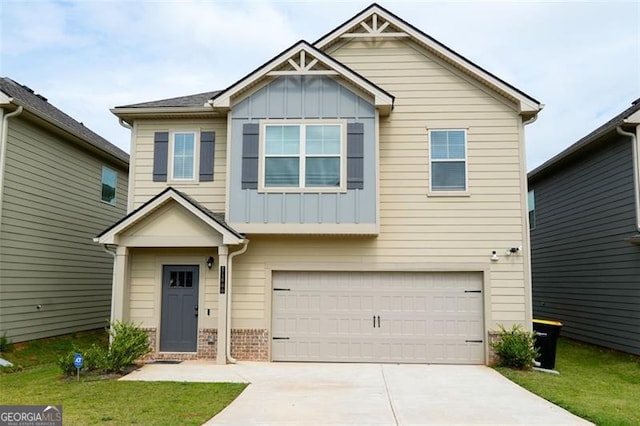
column 380, row 394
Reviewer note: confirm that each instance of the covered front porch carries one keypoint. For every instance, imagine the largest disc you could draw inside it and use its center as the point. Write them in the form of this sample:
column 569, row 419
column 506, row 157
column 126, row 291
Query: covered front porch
column 173, row 263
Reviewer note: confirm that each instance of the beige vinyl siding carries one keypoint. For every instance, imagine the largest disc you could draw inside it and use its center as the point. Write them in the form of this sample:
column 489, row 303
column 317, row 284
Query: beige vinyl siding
column 145, row 284
column 52, row 208
column 210, row 194
column 417, row 229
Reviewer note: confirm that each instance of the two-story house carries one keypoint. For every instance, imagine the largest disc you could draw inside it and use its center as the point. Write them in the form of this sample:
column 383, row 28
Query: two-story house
column 359, row 198
column 585, row 235
column 60, row 184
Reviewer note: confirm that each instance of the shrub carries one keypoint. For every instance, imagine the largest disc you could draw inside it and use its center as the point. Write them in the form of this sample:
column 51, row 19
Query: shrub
column 128, row 343
column 515, row 347
column 5, row 343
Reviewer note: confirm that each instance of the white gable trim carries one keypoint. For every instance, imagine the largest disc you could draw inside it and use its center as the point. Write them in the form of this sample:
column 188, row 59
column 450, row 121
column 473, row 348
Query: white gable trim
column 526, row 104
column 111, row 236
column 382, row 100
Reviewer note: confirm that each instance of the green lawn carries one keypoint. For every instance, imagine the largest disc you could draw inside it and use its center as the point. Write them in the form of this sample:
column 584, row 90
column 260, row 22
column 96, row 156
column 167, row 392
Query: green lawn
column 95, row 400
column 597, row 384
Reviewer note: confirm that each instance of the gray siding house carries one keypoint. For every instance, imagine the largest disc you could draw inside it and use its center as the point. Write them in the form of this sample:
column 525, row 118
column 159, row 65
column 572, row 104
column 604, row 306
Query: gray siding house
column 60, row 184
column 585, row 236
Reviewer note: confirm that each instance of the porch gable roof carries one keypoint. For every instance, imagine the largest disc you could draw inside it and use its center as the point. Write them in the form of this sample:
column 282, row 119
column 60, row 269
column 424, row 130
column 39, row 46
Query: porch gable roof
column 214, row 220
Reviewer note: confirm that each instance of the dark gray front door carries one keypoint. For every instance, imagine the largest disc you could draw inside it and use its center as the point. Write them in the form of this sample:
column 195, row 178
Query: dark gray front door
column 179, row 324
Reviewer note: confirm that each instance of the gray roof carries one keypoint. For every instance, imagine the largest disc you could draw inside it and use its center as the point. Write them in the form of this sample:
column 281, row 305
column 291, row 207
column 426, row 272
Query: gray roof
column 197, row 100
column 39, row 105
column 217, row 217
column 585, row 142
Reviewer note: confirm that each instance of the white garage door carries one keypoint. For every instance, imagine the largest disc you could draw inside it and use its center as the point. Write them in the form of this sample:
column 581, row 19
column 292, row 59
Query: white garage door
column 408, row 317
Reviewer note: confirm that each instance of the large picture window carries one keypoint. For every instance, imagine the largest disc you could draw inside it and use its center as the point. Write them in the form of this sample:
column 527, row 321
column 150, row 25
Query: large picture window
column 183, row 156
column 109, row 184
column 448, row 157
column 303, row 156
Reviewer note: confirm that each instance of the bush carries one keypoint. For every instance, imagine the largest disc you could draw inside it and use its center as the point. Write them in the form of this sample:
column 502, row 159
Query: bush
column 515, row 347
column 5, row 343
column 128, row 343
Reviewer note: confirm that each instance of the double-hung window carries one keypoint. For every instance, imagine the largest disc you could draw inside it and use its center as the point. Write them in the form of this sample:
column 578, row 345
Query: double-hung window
column 183, row 159
column 303, row 156
column 448, row 158
column 109, row 184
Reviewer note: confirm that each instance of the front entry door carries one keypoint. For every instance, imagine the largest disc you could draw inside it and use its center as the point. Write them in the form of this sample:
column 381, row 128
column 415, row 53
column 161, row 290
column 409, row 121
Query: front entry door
column 179, row 323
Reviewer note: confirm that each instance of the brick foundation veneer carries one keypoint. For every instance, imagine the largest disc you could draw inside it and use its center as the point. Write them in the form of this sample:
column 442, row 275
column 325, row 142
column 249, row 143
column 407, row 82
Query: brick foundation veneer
column 493, row 357
column 206, row 350
column 250, row 344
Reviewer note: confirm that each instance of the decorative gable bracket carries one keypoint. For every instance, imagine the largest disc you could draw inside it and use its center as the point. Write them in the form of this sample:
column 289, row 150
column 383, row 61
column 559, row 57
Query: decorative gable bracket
column 302, row 59
column 375, row 26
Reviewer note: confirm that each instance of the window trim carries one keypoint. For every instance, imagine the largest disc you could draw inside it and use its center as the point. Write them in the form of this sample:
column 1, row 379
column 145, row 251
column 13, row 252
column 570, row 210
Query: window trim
column 302, row 156
column 115, row 189
column 531, row 193
column 196, row 156
column 451, row 192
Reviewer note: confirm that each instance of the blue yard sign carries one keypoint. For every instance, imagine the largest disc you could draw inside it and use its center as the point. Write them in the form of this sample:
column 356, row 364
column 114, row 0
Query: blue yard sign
column 78, row 360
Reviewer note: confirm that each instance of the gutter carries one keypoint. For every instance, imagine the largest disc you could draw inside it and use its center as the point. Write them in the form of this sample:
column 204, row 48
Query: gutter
column 229, row 286
column 636, row 172
column 3, row 150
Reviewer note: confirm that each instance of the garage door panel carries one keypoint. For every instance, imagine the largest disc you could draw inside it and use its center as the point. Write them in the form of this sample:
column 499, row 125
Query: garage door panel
column 378, row 317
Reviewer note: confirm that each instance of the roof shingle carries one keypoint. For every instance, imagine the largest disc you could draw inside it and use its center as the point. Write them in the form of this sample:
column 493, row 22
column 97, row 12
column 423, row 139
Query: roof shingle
column 39, row 105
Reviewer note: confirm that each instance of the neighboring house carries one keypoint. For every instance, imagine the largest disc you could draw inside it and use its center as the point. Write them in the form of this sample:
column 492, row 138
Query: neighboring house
column 585, row 236
column 342, row 202
column 60, row 184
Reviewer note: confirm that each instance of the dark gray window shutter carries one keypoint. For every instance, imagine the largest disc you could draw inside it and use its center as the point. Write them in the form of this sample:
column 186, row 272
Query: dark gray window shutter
column 250, row 156
column 160, row 155
column 207, row 146
column 355, row 156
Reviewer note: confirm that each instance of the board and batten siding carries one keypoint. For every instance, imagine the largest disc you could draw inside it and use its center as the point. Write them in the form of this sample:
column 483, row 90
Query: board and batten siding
column 418, row 230
column 52, row 209
column 584, row 273
column 303, row 98
column 211, row 193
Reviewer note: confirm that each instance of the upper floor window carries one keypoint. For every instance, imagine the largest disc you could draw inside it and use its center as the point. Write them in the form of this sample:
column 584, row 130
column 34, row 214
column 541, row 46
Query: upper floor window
column 183, row 150
column 109, row 183
column 448, row 158
column 531, row 203
column 303, row 156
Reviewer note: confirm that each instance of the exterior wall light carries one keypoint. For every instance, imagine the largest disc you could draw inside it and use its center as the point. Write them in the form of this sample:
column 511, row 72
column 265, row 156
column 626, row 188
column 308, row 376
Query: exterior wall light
column 210, row 262
column 513, row 250
column 494, row 256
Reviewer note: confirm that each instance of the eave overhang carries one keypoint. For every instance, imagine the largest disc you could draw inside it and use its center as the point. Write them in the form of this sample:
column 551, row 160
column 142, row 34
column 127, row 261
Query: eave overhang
column 302, row 59
column 12, row 104
column 110, row 235
column 396, row 27
column 129, row 114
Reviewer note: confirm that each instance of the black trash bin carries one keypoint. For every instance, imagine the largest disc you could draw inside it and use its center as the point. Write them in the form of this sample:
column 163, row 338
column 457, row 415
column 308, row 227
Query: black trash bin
column 547, row 333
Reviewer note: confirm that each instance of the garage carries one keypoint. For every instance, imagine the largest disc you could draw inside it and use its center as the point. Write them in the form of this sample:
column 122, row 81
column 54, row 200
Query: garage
column 404, row 317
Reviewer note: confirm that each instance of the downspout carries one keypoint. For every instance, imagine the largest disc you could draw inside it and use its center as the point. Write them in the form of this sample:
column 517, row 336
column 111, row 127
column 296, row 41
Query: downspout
column 3, row 150
column 636, row 171
column 132, row 160
column 113, row 277
column 231, row 359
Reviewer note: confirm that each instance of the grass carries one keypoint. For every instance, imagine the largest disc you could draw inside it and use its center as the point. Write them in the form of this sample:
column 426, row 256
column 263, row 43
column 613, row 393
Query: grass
column 597, row 384
column 36, row 380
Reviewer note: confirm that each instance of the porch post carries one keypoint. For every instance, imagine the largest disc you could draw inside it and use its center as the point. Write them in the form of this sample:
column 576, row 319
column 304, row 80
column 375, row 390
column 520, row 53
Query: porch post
column 119, row 296
column 221, row 355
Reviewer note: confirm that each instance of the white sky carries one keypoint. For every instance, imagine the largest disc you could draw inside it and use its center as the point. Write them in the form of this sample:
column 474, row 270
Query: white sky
column 581, row 59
